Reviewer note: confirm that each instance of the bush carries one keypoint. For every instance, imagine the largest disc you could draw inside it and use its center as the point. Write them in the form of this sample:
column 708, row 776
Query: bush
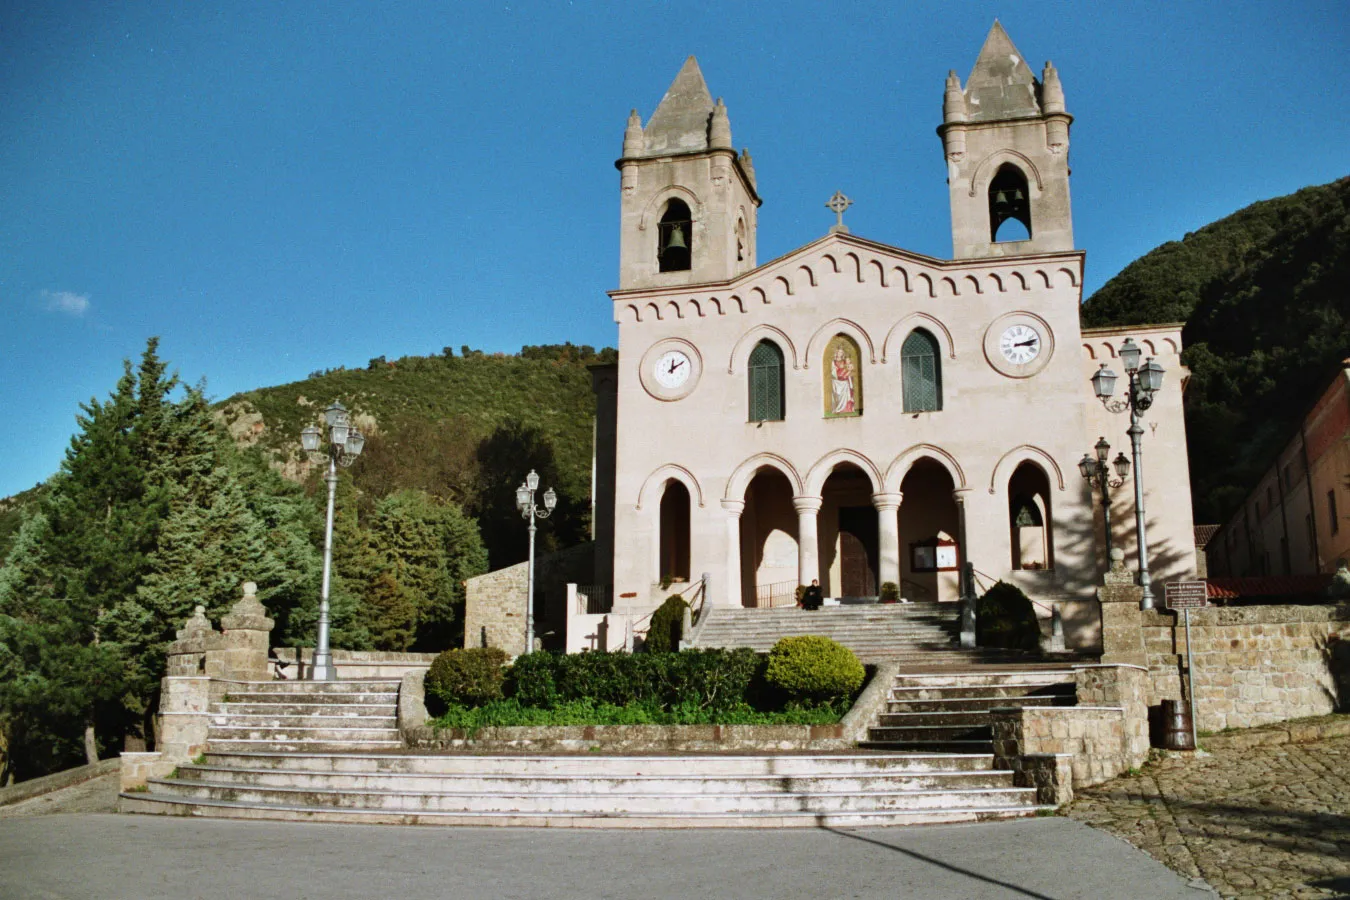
column 813, row 669
column 667, row 626
column 890, row 592
column 704, row 679
column 1005, row 618
column 467, row 677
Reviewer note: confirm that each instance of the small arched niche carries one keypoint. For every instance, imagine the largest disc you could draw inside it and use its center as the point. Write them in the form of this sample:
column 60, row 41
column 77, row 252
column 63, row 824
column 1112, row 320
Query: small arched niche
column 1031, row 535
column 674, row 537
column 842, row 373
column 1009, row 205
column 675, row 237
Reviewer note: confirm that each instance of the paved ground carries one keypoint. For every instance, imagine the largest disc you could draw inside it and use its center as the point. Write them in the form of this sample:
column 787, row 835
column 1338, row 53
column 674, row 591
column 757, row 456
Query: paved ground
column 148, row 857
column 1253, row 820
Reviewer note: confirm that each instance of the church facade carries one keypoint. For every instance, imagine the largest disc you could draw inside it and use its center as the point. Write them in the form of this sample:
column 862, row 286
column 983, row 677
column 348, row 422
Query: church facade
column 857, row 414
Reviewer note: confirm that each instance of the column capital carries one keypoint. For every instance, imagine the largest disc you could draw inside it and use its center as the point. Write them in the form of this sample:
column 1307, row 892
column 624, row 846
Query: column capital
column 884, row 500
column 960, row 494
column 735, row 507
column 807, row 505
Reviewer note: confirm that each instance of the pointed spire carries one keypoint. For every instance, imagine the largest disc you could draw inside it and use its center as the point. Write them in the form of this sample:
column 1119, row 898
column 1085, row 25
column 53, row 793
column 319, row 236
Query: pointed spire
column 954, row 102
column 748, row 167
column 719, row 130
column 632, row 135
column 680, row 122
column 1001, row 85
column 1052, row 92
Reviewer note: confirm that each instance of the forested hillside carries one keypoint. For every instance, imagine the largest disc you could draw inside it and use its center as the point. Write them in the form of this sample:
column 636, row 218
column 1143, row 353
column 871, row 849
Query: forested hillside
column 1265, row 295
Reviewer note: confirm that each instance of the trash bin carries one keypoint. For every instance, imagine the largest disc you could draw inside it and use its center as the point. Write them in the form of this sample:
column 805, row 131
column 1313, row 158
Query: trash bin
column 1177, row 725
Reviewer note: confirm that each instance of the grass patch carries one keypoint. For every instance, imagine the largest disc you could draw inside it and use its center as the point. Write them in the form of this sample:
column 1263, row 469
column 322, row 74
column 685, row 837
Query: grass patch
column 502, row 713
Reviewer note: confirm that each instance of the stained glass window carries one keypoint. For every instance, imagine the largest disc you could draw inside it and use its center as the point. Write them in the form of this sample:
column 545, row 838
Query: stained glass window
column 766, row 383
column 920, row 372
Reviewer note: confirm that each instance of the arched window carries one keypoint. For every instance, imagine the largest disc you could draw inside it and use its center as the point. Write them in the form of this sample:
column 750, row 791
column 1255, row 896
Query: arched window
column 1009, row 201
column 921, row 372
column 675, row 238
column 740, row 240
column 842, row 371
column 766, row 383
column 674, row 532
column 1029, row 518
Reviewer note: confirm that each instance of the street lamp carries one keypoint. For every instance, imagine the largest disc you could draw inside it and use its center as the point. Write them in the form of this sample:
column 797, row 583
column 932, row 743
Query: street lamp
column 1145, row 381
column 529, row 510
column 1097, row 473
column 343, row 446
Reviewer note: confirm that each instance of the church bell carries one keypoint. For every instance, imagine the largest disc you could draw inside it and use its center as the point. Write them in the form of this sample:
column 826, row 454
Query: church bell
column 676, row 239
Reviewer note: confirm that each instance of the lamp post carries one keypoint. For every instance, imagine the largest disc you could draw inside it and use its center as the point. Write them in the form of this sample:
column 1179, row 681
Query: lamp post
column 530, row 510
column 1096, row 472
column 340, row 443
column 1145, row 381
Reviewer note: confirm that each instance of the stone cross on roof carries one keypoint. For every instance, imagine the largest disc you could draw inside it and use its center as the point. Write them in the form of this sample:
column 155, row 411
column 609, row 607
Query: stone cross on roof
column 838, row 203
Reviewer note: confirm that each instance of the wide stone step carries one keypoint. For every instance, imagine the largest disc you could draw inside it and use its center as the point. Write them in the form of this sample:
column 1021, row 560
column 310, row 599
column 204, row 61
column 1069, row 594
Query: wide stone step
column 595, row 784
column 607, row 803
column 160, row 804
column 333, row 732
column 971, row 680
column 334, row 698
column 305, row 709
column 292, row 688
column 260, row 745
column 907, row 719
column 312, row 720
column 599, row 765
column 975, row 704
column 922, row 734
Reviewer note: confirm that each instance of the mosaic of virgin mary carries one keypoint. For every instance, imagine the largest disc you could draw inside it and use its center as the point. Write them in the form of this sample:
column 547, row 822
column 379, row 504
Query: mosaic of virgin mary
column 844, row 397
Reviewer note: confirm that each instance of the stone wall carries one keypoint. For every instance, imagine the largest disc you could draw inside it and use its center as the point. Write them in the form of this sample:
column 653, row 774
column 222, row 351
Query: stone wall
column 634, row 738
column 1254, row 665
column 1092, row 739
column 494, row 603
column 357, row 664
column 1123, row 686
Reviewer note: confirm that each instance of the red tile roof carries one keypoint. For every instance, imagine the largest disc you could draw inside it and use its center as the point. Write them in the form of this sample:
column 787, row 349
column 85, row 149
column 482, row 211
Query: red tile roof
column 1266, row 586
column 1203, row 535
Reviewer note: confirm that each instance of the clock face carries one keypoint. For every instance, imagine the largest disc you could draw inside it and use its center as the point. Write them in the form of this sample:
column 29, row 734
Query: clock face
column 1020, row 344
column 671, row 369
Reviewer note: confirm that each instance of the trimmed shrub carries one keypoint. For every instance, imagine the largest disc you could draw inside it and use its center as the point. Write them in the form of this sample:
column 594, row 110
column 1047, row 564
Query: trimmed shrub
column 812, row 669
column 890, row 592
column 1006, row 619
column 468, row 677
column 667, row 626
column 704, row 679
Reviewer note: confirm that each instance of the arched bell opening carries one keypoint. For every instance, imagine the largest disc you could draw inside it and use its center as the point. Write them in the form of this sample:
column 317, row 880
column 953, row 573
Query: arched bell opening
column 674, row 557
column 675, row 237
column 1009, row 205
column 768, row 542
column 1031, row 536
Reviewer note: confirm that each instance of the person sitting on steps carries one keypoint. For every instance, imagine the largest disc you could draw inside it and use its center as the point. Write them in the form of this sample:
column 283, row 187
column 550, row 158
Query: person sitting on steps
column 812, row 597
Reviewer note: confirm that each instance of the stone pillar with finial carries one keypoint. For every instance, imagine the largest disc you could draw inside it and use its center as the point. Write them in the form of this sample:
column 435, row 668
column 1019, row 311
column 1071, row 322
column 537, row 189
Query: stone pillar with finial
column 244, row 638
column 187, row 654
column 1122, row 632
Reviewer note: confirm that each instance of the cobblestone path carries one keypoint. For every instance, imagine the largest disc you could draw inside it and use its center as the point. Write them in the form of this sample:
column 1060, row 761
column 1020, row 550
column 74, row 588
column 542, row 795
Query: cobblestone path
column 1254, row 819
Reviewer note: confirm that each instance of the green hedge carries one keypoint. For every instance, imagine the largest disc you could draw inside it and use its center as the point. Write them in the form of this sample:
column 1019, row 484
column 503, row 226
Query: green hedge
column 812, row 669
column 1005, row 618
column 702, row 679
column 468, row 677
column 667, row 626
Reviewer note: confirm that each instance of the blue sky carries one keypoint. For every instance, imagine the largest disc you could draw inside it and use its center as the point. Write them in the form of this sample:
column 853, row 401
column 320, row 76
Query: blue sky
column 275, row 188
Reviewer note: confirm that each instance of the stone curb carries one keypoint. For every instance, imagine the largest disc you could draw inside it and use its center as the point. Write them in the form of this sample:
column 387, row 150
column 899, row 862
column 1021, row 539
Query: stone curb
column 1286, row 733
column 36, row 787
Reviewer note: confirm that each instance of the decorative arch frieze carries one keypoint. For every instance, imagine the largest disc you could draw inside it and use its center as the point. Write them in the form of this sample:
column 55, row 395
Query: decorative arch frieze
column 697, row 308
column 810, row 276
column 786, row 285
column 740, row 478
column 1092, row 354
column 658, row 479
column 875, row 265
column 632, row 308
column 834, row 263
column 974, row 283
column 904, row 278
column 924, row 284
column 655, row 310
column 951, row 286
column 1021, row 279
column 1045, row 278
column 1073, row 278
column 838, row 326
column 1176, row 350
column 740, row 353
column 674, row 307
column 763, row 296
column 1018, row 455
column 998, row 282
column 900, row 330
column 900, row 466
column 998, row 158
column 820, row 471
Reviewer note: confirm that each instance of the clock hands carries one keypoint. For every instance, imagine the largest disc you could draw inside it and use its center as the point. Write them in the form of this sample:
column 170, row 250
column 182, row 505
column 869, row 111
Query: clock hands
column 1025, row 343
column 675, row 364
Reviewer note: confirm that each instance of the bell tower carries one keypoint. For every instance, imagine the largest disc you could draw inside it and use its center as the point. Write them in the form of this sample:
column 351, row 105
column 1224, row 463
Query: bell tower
column 1006, row 140
column 689, row 204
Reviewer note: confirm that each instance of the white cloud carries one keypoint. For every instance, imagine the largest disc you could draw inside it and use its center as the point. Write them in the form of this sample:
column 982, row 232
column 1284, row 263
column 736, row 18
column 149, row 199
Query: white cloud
column 67, row 302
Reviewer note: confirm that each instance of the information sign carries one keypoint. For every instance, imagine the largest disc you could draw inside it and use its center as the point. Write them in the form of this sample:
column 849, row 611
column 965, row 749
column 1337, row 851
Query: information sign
column 1187, row 594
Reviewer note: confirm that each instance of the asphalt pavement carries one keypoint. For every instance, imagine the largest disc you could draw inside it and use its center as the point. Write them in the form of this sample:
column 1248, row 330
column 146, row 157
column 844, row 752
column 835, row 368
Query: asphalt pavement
column 110, row 857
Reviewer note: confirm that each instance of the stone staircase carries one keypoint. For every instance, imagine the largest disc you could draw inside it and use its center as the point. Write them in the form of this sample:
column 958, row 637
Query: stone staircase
column 948, row 712
column 910, row 633
column 282, row 716
column 731, row 791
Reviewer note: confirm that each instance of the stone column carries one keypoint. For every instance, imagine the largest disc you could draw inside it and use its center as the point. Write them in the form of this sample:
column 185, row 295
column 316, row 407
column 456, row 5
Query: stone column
column 1122, row 632
column 808, row 538
column 187, row 655
column 244, row 636
column 734, row 509
column 888, row 537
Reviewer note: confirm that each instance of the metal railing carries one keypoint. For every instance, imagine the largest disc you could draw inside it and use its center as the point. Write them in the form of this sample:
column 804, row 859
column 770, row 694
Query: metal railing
column 780, row 593
column 594, row 599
